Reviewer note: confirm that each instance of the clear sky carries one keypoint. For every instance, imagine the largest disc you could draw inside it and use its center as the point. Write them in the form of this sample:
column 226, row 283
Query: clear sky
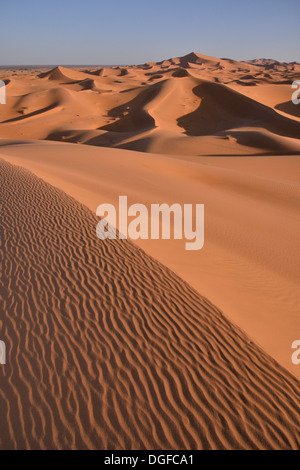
column 135, row 31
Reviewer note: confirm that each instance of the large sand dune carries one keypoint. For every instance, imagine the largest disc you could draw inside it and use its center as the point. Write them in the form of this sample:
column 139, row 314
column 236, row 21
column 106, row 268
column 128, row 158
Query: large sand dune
column 121, row 345
column 108, row 348
column 196, row 105
column 249, row 265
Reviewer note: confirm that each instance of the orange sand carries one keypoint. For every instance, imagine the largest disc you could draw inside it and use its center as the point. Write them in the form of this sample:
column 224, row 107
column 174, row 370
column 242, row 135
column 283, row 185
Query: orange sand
column 107, row 346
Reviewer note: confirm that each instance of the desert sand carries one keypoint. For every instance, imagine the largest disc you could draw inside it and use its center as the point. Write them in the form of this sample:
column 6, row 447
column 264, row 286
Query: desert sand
column 122, row 345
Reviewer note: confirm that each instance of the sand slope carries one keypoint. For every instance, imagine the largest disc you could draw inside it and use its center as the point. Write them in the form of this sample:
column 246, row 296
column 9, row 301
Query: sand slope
column 107, row 348
column 250, row 263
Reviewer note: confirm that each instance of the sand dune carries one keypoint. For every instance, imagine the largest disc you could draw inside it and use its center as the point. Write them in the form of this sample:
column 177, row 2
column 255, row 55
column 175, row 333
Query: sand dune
column 58, row 73
column 188, row 102
column 108, row 348
column 251, row 251
column 115, row 345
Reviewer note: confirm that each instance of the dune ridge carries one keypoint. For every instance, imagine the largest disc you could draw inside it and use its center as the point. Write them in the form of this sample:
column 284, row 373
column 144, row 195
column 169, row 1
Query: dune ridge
column 107, row 348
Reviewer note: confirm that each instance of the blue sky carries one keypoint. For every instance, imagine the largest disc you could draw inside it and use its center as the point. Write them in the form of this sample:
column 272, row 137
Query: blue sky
column 131, row 31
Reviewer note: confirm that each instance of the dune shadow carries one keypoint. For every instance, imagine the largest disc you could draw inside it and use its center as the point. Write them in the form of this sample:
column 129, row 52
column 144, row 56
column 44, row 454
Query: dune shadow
column 33, row 113
column 221, row 109
column 289, row 107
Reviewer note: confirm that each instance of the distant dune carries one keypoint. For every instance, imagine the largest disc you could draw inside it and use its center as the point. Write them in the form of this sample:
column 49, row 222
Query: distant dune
column 183, row 105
